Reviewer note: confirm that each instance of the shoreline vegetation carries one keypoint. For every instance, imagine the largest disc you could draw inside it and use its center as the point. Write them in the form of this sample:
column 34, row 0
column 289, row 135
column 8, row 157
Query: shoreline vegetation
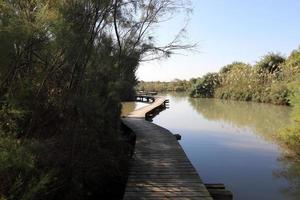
column 65, row 68
column 273, row 79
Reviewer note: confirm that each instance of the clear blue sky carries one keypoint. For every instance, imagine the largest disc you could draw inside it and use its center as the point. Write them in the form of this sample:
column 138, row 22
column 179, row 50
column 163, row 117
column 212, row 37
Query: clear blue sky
column 227, row 31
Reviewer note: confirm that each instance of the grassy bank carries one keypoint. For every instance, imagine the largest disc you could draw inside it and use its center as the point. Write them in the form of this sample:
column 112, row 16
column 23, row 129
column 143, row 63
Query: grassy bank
column 274, row 79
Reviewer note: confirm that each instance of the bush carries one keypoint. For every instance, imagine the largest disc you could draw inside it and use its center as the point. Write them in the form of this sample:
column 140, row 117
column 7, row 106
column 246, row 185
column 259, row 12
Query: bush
column 265, row 82
column 291, row 135
column 270, row 63
column 19, row 175
column 279, row 93
column 236, row 82
column 205, row 86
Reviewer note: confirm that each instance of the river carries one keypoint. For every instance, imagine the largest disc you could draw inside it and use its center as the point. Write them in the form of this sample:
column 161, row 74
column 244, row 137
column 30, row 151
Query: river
column 235, row 143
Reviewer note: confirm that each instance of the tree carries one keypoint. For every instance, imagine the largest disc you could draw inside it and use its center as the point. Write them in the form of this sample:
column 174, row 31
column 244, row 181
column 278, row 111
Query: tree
column 64, row 68
column 270, row 63
column 229, row 67
column 205, row 86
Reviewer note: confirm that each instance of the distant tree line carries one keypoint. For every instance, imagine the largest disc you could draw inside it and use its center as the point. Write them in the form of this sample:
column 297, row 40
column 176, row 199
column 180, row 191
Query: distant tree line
column 160, row 86
column 65, row 67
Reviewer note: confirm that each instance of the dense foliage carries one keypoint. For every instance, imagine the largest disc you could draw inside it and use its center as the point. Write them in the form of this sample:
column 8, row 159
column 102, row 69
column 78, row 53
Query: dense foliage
column 206, row 85
column 273, row 79
column 65, row 66
column 267, row 81
column 160, row 86
column 291, row 135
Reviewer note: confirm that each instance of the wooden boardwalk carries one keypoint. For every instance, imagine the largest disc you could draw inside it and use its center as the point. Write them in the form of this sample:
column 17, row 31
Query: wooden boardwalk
column 160, row 168
column 143, row 111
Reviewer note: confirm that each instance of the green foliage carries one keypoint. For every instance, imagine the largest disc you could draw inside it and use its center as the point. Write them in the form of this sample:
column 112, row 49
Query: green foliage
column 292, row 66
column 18, row 166
column 273, row 79
column 270, row 63
column 265, row 82
column 279, row 93
column 65, row 66
column 158, row 86
column 229, row 67
column 291, row 135
column 205, row 86
column 238, row 83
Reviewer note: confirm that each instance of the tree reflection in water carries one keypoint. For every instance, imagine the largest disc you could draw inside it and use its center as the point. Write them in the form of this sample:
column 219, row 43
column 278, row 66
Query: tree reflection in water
column 266, row 120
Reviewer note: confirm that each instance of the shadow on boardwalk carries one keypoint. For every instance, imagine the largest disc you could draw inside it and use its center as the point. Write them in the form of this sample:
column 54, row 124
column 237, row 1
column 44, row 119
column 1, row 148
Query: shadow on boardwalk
column 160, row 168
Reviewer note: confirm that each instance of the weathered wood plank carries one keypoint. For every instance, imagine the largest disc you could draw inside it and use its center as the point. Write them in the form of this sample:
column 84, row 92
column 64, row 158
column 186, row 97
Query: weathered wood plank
column 141, row 112
column 168, row 194
column 179, row 185
column 168, row 189
column 160, row 168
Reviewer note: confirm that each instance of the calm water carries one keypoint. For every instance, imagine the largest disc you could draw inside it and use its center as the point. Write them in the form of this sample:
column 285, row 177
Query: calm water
column 233, row 143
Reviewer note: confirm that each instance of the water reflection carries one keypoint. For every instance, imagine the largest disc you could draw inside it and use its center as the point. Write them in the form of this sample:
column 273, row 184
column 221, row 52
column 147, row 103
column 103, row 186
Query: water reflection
column 291, row 172
column 263, row 119
column 234, row 143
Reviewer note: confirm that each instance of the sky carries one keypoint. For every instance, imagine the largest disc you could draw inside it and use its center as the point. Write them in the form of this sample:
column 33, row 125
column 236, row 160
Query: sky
column 226, row 31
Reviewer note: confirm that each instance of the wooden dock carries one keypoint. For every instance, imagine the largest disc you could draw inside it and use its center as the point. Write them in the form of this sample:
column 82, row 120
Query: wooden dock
column 144, row 112
column 160, row 168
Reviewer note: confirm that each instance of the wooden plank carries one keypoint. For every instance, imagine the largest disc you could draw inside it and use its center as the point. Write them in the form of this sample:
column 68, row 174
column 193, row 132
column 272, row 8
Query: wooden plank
column 168, row 194
column 179, row 185
column 166, row 189
column 160, row 168
column 141, row 112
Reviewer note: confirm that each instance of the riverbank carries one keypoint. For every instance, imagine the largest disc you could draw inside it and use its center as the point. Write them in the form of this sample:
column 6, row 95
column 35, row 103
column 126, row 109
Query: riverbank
column 234, row 142
column 273, row 79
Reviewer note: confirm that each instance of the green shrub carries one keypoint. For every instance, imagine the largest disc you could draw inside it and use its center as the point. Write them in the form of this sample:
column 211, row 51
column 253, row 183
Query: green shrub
column 265, row 82
column 20, row 177
column 270, row 63
column 291, row 135
column 205, row 87
column 279, row 93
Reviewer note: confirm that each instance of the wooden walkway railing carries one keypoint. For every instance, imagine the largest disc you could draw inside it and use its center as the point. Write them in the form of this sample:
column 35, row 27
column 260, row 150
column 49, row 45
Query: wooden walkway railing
column 160, row 168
